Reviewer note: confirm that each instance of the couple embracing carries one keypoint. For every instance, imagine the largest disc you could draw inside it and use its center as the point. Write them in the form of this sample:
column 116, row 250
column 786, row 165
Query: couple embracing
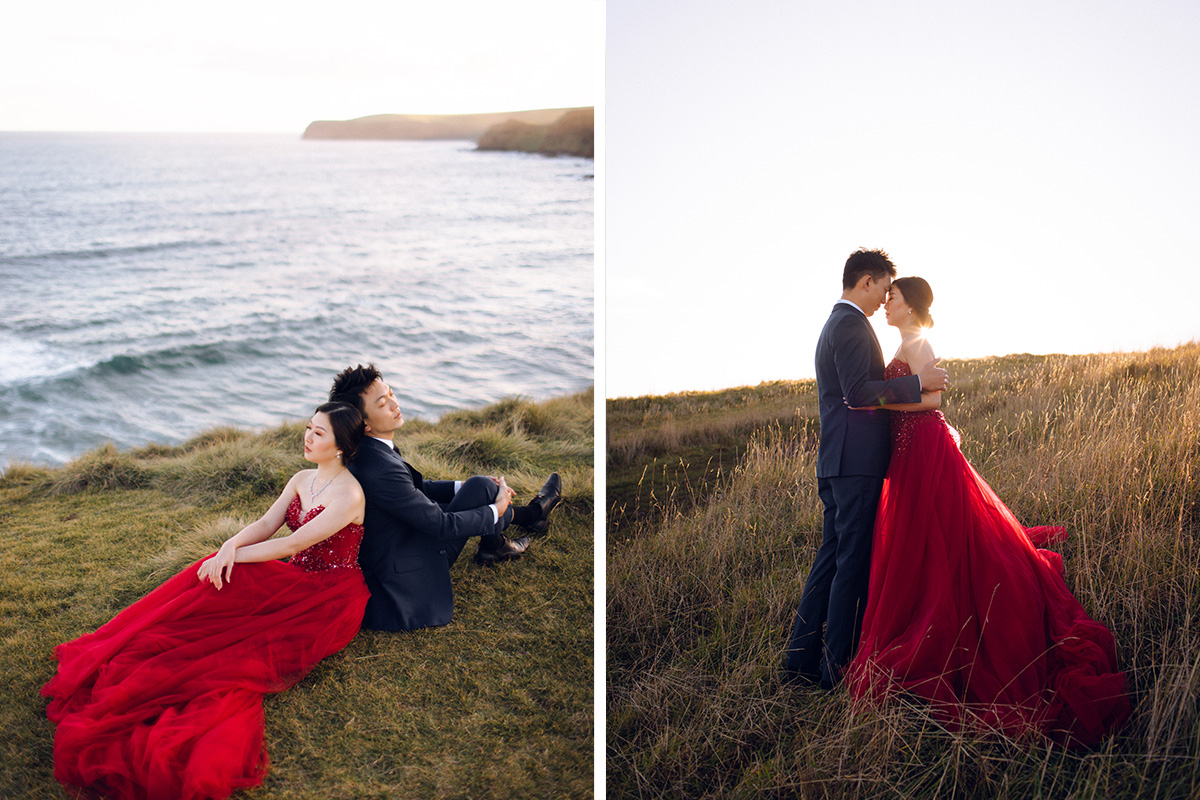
column 924, row 582
column 165, row 700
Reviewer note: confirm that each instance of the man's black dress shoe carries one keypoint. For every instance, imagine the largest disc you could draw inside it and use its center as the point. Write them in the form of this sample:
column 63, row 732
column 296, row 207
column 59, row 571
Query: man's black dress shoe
column 545, row 501
column 512, row 548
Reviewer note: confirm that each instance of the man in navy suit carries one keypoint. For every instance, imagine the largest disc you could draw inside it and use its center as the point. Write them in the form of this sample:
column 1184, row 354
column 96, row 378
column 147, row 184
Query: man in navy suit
column 852, row 460
column 416, row 528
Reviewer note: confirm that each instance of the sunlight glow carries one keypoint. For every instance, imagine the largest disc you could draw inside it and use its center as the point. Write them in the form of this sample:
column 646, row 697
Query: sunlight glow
column 1024, row 163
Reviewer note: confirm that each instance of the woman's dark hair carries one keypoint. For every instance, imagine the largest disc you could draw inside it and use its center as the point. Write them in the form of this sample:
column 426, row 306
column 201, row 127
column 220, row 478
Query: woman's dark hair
column 350, row 383
column 918, row 296
column 348, row 427
column 875, row 263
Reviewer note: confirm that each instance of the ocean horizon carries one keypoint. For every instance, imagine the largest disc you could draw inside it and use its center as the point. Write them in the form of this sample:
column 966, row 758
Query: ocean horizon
column 153, row 286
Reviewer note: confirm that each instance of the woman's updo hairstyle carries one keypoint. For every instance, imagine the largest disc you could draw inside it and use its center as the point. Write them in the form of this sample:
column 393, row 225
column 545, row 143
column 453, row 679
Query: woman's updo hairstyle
column 348, row 427
column 918, row 296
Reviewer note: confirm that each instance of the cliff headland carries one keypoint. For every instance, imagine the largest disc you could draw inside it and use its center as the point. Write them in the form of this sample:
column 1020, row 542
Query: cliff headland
column 551, row 131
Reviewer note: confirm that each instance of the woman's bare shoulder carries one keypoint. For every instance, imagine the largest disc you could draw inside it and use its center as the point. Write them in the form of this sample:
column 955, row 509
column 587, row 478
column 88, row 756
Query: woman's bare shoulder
column 917, row 351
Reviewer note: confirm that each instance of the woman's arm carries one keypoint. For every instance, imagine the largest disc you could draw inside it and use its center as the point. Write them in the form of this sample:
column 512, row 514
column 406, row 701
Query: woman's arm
column 929, row 402
column 917, row 352
column 220, row 566
column 266, row 525
column 852, row 361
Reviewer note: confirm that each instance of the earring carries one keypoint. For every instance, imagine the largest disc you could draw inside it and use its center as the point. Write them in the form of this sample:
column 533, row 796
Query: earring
column 339, row 453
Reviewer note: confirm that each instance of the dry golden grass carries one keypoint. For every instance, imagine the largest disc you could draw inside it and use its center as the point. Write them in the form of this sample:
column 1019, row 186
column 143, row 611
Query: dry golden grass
column 700, row 601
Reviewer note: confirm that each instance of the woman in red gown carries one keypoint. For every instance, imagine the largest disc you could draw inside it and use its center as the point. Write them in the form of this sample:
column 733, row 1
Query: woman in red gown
column 964, row 609
column 165, row 700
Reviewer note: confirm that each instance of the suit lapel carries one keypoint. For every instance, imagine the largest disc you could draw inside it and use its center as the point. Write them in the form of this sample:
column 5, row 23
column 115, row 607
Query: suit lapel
column 876, row 350
column 388, row 451
column 877, row 363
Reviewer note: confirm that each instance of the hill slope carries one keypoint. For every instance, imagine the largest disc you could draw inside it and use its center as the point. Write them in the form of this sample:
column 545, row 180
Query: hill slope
column 497, row 704
column 571, row 134
column 715, row 521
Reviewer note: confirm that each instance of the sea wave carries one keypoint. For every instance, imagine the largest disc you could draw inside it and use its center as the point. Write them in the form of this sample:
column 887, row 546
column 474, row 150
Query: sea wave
column 177, row 358
column 84, row 254
column 42, row 378
column 160, row 296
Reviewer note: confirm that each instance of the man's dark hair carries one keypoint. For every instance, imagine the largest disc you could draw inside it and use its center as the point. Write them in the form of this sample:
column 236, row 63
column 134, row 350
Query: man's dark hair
column 348, row 428
column 350, row 383
column 862, row 261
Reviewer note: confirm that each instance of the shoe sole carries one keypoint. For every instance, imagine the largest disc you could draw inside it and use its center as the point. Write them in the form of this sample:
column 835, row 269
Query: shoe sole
column 490, row 558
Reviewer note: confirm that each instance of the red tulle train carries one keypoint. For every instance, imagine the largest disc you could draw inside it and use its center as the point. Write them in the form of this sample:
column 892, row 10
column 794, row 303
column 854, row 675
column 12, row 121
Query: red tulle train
column 165, row 700
column 966, row 612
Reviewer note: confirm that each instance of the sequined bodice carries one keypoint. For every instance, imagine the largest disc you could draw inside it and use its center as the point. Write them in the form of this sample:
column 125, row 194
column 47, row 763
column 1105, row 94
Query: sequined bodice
column 339, row 551
column 904, row 422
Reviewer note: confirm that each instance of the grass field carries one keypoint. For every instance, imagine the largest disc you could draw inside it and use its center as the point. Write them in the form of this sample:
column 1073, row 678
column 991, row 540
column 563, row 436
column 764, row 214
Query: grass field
column 499, row 704
column 714, row 521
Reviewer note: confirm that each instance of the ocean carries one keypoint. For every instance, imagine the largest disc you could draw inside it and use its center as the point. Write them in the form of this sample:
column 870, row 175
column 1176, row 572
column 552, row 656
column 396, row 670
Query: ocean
column 154, row 286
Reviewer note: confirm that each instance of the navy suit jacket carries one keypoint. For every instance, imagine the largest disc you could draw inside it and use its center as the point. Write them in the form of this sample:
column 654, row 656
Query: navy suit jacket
column 404, row 548
column 850, row 368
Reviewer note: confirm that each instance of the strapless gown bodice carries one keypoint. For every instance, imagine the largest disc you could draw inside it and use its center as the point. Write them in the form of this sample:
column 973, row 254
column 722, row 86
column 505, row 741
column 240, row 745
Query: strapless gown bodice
column 339, row 551
column 904, row 423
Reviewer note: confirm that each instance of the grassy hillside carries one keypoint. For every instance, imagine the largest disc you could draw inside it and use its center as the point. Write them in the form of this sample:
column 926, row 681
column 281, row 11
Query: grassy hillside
column 715, row 522
column 667, row 452
column 572, row 134
column 497, row 704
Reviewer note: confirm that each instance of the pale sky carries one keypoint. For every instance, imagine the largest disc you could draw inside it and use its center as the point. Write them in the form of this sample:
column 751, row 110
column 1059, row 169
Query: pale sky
column 276, row 65
column 1035, row 162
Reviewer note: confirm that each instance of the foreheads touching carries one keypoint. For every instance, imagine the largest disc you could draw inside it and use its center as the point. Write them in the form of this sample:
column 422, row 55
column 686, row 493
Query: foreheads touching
column 867, row 278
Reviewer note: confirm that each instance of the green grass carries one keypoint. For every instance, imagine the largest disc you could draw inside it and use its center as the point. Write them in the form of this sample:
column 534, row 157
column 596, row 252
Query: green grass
column 499, row 704
column 703, row 585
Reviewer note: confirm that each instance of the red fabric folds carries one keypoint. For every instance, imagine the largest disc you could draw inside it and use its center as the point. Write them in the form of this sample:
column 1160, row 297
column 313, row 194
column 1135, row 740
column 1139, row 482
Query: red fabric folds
column 965, row 611
column 165, row 700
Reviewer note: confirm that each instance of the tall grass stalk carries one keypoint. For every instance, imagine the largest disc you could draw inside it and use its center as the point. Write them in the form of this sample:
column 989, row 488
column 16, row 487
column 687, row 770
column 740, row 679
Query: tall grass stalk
column 701, row 601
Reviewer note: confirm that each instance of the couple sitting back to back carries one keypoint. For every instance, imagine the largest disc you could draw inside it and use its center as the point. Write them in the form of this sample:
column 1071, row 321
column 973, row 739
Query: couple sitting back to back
column 416, row 528
column 165, row 700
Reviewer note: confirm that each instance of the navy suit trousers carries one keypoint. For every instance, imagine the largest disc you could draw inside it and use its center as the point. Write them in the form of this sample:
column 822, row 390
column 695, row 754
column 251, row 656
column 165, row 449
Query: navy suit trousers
column 475, row 493
column 835, row 594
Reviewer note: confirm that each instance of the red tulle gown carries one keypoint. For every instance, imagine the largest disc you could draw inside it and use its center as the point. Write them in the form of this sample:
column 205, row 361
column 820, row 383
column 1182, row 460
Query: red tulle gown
column 965, row 611
column 165, row 701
